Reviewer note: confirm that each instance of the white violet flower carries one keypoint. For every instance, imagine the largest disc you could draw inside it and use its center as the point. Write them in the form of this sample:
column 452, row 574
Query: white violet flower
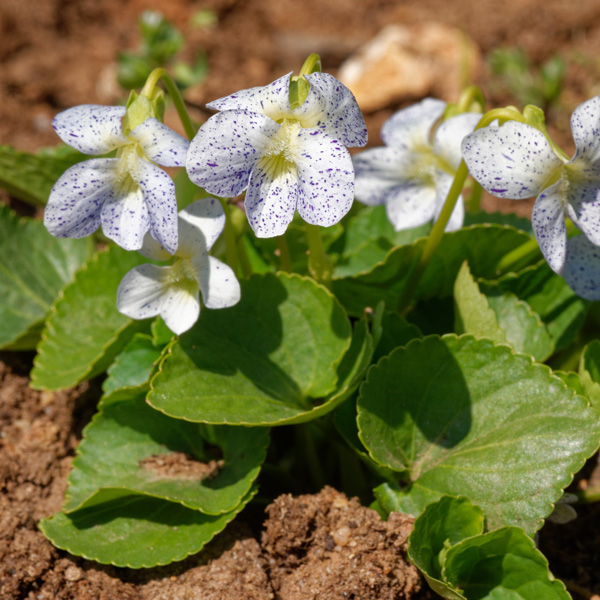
column 517, row 161
column 413, row 172
column 173, row 291
column 287, row 158
column 128, row 195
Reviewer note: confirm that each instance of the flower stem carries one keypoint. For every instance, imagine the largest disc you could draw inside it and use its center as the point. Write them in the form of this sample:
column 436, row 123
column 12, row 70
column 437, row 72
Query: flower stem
column 231, row 249
column 435, row 236
column 285, row 259
column 471, row 100
column 475, row 198
column 159, row 74
column 319, row 265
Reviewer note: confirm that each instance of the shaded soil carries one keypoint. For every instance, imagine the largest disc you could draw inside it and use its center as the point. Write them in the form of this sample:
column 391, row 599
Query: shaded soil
column 323, row 546
column 59, row 53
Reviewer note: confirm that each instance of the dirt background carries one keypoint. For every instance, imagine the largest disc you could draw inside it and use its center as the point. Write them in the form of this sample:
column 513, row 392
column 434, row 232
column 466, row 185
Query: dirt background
column 58, row 53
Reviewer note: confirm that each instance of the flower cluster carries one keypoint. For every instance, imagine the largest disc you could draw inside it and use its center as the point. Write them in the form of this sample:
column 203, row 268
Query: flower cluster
column 517, row 161
column 287, row 157
column 413, row 172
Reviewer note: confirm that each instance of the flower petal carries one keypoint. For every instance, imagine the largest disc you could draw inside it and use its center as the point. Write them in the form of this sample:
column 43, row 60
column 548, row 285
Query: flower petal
column 548, row 223
column 200, row 224
column 583, row 207
column 582, row 268
column 225, row 150
column 141, row 291
column 272, row 100
column 158, row 192
column 91, row 128
column 160, row 143
column 76, row 200
column 180, row 309
column 410, row 205
column 218, row 283
column 449, row 135
column 326, row 178
column 270, row 203
column 377, row 170
column 125, row 217
column 410, row 127
column 443, row 185
column 511, row 161
column 342, row 117
column 585, row 125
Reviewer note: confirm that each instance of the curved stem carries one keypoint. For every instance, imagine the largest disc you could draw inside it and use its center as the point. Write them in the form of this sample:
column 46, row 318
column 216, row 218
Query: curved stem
column 285, row 259
column 475, row 198
column 319, row 265
column 435, row 236
column 472, row 95
column 160, row 74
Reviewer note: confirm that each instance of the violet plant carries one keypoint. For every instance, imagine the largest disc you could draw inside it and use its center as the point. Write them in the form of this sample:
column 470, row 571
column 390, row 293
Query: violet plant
column 432, row 362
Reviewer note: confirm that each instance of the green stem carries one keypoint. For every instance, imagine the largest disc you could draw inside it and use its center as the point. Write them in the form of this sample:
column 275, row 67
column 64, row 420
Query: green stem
column 285, row 259
column 475, row 198
column 319, row 265
column 309, row 451
column 173, row 91
column 589, row 496
column 231, row 249
column 471, row 99
column 437, row 232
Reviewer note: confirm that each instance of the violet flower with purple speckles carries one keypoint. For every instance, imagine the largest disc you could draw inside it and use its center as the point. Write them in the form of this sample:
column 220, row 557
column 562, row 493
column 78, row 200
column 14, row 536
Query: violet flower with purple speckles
column 517, row 161
column 286, row 158
column 412, row 173
column 128, row 195
column 173, row 291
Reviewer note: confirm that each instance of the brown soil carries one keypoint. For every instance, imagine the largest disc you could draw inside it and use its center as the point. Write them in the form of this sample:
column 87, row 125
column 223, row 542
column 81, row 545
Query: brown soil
column 322, row 546
column 58, row 53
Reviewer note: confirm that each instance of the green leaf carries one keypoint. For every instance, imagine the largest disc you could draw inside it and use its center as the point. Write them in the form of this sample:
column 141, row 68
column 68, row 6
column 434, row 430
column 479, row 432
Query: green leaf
column 129, row 447
column 502, row 565
column 481, row 245
column 269, row 359
column 136, row 531
column 30, row 177
column 397, row 331
column 443, row 524
column 501, row 317
column 459, row 560
column 589, row 372
column 473, row 313
column 549, row 296
column 461, row 416
column 478, row 218
column 85, row 331
column 34, row 266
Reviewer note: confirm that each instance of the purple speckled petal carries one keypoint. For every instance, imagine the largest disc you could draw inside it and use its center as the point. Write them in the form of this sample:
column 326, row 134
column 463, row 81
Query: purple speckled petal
column 583, row 207
column 125, row 217
column 582, row 268
column 158, row 192
column 342, row 118
column 200, row 224
column 270, row 203
column 141, row 291
column 378, row 170
column 409, row 128
column 443, row 183
column 91, row 128
column 326, row 178
column 271, row 100
column 512, row 161
column 76, row 200
column 450, row 134
column 585, row 125
column 410, row 205
column 548, row 223
column 218, row 283
column 161, row 144
column 225, row 150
